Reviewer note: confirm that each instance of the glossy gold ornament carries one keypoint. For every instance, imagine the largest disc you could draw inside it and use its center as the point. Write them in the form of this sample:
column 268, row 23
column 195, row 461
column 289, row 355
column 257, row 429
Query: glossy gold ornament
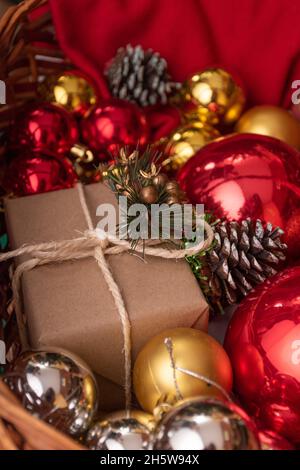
column 120, row 431
column 70, row 90
column 271, row 121
column 56, row 386
column 217, row 96
column 202, row 424
column 186, row 141
column 194, row 351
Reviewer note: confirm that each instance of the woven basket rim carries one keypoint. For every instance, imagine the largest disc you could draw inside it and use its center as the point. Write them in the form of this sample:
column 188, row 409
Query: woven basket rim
column 19, row 429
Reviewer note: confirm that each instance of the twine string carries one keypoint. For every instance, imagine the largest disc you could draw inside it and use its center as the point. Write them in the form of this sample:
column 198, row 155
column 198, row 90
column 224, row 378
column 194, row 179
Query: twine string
column 92, row 245
column 169, row 345
column 170, row 348
column 77, row 248
column 84, row 207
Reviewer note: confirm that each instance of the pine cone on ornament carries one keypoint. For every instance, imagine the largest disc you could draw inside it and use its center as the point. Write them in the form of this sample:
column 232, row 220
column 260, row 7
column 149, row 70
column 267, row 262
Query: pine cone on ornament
column 140, row 76
column 243, row 255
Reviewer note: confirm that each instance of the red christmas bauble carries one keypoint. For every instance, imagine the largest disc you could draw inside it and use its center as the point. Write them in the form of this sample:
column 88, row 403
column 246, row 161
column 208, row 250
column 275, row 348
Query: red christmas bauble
column 269, row 440
column 113, row 124
column 263, row 343
column 38, row 173
column 246, row 175
column 292, row 230
column 45, row 127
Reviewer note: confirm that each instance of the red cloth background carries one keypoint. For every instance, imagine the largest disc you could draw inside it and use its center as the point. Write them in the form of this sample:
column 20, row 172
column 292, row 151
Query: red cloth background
column 257, row 40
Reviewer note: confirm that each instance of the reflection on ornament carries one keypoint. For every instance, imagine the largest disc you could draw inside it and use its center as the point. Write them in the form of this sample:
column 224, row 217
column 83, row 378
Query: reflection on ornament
column 193, row 350
column 85, row 165
column 141, row 416
column 149, row 194
column 217, row 97
column 269, row 440
column 205, row 424
column 113, row 124
column 119, row 433
column 246, row 175
column 263, row 343
column 292, row 230
column 271, row 121
column 44, row 127
column 38, row 173
column 70, row 90
column 185, row 142
column 57, row 387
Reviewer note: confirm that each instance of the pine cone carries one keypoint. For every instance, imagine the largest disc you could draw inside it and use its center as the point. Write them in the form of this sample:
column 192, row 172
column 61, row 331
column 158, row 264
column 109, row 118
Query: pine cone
column 243, row 256
column 140, row 76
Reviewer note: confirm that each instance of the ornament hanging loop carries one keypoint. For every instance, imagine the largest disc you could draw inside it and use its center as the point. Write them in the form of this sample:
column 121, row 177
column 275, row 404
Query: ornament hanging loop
column 169, row 345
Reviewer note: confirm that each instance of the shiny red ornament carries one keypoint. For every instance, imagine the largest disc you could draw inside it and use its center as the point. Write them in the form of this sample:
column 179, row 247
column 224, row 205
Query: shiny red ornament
column 45, row 127
column 247, row 175
column 263, row 344
column 38, row 173
column 113, row 124
column 292, row 231
column 269, row 440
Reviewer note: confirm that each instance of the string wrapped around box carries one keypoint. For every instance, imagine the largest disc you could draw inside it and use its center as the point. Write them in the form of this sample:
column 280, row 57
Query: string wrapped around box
column 90, row 245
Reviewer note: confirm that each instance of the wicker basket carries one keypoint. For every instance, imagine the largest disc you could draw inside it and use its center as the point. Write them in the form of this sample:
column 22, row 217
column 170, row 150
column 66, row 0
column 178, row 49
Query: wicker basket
column 29, row 52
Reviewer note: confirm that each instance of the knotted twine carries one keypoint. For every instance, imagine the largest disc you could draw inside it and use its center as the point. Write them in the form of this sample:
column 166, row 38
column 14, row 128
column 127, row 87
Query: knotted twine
column 86, row 246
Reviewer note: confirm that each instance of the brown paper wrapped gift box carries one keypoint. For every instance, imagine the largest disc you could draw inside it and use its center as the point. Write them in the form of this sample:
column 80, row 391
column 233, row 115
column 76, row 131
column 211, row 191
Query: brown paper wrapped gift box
column 69, row 305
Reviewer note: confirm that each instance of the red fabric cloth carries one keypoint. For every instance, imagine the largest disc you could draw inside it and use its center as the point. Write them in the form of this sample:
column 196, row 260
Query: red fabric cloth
column 258, row 41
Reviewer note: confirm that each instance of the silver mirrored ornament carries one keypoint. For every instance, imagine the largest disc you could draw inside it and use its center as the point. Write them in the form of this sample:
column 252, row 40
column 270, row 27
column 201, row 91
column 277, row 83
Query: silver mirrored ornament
column 57, row 387
column 119, row 434
column 205, row 424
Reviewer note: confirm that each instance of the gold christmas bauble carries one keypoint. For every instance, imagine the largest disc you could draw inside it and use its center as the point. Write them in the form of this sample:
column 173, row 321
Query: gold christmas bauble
column 186, row 141
column 271, row 121
column 194, row 351
column 70, row 90
column 218, row 97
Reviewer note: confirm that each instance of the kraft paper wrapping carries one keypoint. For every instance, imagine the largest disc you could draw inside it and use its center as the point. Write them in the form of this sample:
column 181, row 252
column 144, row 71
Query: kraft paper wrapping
column 69, row 305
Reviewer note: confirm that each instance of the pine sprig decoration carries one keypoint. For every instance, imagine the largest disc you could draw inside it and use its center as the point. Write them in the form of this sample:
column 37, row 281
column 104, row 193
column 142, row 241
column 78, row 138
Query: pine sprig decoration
column 140, row 75
column 137, row 176
column 242, row 256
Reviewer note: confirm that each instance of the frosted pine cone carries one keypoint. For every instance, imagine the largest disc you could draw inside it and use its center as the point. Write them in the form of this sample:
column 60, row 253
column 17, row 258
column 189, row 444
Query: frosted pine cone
column 244, row 255
column 140, row 76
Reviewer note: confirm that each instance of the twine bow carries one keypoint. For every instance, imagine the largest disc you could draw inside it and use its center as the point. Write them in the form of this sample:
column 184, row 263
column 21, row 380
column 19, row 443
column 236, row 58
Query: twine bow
column 86, row 246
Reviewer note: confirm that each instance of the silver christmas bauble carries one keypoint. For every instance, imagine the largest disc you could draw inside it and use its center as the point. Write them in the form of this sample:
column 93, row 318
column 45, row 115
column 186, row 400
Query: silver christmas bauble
column 119, row 434
column 205, row 424
column 57, row 387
